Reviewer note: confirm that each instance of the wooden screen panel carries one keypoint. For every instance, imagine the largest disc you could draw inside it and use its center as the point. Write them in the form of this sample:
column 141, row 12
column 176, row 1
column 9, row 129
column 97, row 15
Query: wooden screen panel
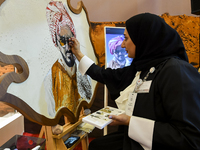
column 188, row 28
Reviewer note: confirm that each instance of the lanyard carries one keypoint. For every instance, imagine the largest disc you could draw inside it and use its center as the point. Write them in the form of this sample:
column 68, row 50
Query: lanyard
column 132, row 96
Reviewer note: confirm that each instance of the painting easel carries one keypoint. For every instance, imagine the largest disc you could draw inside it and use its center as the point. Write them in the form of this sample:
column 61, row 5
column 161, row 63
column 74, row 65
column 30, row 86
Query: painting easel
column 56, row 142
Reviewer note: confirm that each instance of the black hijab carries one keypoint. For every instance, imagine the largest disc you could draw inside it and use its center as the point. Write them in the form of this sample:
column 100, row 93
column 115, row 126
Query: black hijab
column 155, row 41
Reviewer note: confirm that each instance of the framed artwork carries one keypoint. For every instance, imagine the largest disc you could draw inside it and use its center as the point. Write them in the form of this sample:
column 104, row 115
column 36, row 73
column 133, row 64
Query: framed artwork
column 34, row 37
column 116, row 56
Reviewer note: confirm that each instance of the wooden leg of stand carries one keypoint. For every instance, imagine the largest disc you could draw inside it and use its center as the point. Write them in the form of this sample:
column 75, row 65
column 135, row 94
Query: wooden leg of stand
column 85, row 143
column 50, row 142
column 42, row 132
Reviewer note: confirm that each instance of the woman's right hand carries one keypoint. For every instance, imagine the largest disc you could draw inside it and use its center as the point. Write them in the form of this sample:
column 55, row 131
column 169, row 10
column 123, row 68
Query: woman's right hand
column 75, row 48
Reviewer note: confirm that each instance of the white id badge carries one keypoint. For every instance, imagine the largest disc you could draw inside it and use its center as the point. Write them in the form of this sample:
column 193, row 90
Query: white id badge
column 144, row 88
column 130, row 104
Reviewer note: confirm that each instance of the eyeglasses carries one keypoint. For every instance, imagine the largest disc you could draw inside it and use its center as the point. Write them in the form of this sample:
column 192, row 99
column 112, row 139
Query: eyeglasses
column 64, row 40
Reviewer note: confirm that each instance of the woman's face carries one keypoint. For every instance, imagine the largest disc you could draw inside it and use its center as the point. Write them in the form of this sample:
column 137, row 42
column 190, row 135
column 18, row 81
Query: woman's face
column 128, row 45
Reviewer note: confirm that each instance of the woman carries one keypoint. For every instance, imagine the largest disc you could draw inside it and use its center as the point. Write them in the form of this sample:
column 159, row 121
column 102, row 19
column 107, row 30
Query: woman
column 166, row 100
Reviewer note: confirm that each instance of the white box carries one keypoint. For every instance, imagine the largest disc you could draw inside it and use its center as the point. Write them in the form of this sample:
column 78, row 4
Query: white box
column 10, row 125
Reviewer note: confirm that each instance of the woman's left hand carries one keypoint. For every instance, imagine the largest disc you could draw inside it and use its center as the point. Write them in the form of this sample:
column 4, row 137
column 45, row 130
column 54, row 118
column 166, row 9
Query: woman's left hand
column 120, row 120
